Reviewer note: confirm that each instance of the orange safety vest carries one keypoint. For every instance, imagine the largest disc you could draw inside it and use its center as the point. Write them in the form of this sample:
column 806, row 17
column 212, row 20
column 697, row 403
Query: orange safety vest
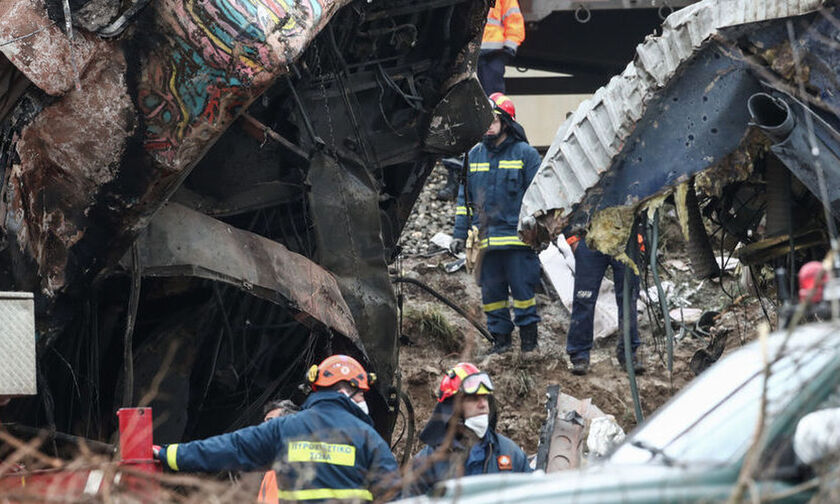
column 505, row 26
column 268, row 489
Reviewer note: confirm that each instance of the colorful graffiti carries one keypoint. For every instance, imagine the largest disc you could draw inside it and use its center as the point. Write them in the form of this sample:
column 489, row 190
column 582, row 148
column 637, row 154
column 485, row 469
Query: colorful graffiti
column 215, row 57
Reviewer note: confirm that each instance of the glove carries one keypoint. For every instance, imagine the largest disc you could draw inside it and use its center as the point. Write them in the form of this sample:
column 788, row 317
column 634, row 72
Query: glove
column 510, row 52
column 457, row 246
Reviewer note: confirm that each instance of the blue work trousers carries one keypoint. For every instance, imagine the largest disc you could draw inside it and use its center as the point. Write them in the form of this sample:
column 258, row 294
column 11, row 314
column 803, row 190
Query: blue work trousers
column 491, row 71
column 506, row 273
column 590, row 266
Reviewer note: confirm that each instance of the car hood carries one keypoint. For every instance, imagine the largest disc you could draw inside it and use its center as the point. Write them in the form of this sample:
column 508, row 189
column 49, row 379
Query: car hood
column 598, row 483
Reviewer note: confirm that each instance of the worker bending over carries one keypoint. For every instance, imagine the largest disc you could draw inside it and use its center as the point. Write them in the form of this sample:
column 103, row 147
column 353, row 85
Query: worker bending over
column 501, row 168
column 460, row 437
column 327, row 451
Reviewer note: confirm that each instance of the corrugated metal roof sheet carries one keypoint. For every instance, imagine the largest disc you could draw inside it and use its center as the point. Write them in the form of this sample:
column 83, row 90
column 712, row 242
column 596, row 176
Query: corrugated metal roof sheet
column 586, row 143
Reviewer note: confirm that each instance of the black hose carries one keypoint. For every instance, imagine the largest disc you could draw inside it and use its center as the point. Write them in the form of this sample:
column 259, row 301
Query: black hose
column 409, row 440
column 663, row 303
column 448, row 302
column 628, row 349
column 99, row 446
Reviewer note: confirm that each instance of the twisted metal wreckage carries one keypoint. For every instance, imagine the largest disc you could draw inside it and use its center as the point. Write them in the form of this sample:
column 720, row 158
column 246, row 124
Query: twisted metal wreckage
column 735, row 100
column 203, row 195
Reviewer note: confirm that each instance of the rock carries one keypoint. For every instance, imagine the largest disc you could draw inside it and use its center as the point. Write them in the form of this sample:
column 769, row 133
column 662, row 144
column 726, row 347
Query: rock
column 689, row 315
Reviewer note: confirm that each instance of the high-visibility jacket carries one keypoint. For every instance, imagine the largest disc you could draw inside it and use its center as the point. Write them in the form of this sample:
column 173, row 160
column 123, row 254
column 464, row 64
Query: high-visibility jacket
column 327, row 451
column 497, row 179
column 268, row 489
column 505, row 27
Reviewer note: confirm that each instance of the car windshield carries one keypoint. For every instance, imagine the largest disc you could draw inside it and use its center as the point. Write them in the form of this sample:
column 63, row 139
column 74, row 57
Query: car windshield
column 712, row 421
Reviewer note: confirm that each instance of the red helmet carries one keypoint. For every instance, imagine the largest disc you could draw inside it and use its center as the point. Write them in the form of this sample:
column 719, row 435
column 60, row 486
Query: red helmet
column 503, row 103
column 339, row 368
column 466, row 378
column 811, row 281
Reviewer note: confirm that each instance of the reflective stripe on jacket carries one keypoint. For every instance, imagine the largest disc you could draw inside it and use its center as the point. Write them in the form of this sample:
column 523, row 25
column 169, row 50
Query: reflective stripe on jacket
column 497, row 180
column 329, row 450
column 505, row 26
column 493, row 454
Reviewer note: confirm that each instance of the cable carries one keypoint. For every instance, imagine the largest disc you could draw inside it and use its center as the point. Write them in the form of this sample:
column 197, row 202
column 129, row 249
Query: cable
column 448, row 302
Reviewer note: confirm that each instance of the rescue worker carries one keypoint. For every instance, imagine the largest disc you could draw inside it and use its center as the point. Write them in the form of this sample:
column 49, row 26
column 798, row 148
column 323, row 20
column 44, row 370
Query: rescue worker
column 503, row 33
column 501, row 168
column 460, row 440
column 268, row 493
column 328, row 451
column 590, row 266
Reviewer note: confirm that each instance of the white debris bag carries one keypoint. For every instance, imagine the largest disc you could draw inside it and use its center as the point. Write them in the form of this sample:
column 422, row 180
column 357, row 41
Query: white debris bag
column 442, row 240
column 558, row 262
column 604, row 435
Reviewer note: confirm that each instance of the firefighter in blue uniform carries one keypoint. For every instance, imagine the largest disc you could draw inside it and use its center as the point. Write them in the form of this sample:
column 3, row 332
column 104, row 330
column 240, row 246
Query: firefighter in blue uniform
column 473, row 446
column 501, row 168
column 328, row 451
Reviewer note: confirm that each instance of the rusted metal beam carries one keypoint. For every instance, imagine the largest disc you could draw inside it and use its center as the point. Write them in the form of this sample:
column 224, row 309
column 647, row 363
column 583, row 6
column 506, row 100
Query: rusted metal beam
column 260, row 131
column 183, row 242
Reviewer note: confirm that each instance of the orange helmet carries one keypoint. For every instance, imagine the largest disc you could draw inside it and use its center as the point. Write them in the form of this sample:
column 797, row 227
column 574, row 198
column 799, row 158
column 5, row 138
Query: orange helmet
column 339, row 368
column 466, row 378
column 502, row 103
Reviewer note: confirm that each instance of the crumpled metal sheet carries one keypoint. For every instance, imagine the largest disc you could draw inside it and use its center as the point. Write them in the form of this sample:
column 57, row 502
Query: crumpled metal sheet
column 69, row 152
column 182, row 242
column 449, row 133
column 76, row 189
column 211, row 63
column 45, row 56
column 587, row 143
column 344, row 205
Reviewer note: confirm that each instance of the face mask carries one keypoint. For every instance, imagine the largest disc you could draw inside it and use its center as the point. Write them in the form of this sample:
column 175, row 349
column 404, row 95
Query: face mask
column 478, row 424
column 362, row 405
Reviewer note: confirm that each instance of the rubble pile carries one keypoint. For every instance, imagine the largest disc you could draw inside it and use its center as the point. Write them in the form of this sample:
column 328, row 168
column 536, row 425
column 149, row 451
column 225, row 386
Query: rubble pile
column 428, row 216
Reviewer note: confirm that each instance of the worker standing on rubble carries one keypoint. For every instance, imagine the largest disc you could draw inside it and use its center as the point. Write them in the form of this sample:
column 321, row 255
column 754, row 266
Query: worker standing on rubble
column 501, row 168
column 503, row 33
column 590, row 266
column 328, row 451
column 460, row 437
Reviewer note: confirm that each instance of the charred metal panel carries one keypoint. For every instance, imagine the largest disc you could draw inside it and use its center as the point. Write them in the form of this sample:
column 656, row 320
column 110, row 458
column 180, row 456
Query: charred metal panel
column 345, row 210
column 688, row 127
column 69, row 152
column 183, row 242
column 460, row 117
column 806, row 155
column 46, row 56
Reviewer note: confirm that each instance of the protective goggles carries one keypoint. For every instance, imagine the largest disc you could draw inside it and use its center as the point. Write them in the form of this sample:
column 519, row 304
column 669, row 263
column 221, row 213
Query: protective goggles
column 472, row 384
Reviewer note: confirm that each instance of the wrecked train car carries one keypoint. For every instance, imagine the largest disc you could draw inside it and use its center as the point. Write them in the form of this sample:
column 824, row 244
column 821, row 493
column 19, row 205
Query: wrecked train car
column 204, row 195
column 736, row 99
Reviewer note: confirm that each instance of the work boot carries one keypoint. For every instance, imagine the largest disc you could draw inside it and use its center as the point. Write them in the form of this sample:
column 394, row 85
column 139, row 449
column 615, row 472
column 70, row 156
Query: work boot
column 501, row 343
column 638, row 365
column 528, row 337
column 580, row 367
